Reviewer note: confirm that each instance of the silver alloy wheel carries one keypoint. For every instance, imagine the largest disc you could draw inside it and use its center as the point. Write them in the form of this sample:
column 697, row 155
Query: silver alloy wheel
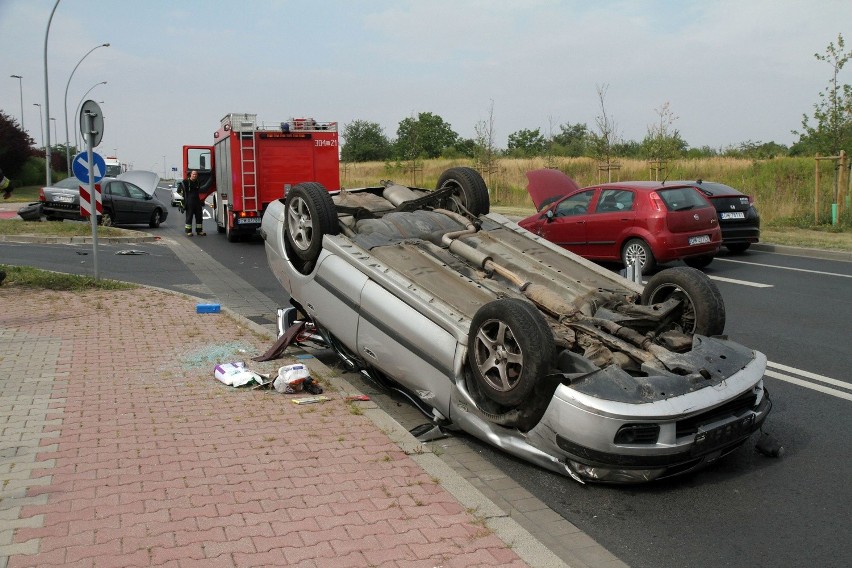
column 635, row 253
column 299, row 223
column 106, row 219
column 498, row 355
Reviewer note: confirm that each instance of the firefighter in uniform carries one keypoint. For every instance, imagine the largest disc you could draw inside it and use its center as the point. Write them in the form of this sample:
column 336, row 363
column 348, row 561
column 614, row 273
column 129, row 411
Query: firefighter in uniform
column 193, row 203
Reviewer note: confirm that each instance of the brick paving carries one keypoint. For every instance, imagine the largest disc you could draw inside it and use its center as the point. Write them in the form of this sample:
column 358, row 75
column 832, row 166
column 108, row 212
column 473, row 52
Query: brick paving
column 119, row 448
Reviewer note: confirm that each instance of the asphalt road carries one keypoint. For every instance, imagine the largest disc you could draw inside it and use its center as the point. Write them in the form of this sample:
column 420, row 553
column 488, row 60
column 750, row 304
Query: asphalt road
column 745, row 510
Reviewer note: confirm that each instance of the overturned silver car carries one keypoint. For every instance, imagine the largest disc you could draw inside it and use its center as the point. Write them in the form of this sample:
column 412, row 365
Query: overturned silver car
column 501, row 334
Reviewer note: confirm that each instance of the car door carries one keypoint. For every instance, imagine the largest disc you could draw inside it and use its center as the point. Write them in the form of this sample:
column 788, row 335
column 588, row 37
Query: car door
column 567, row 226
column 613, row 218
column 118, row 202
column 141, row 203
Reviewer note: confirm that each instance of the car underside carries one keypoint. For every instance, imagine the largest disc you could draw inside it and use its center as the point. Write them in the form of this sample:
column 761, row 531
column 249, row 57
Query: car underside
column 499, row 333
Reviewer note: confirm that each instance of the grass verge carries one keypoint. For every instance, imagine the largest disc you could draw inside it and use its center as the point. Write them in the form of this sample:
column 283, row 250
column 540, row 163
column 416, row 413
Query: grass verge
column 27, row 277
column 58, row 229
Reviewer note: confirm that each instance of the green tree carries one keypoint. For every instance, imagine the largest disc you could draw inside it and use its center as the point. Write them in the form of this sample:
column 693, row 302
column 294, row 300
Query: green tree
column 832, row 130
column 572, row 139
column 663, row 141
column 603, row 142
column 365, row 142
column 423, row 137
column 527, row 143
column 15, row 146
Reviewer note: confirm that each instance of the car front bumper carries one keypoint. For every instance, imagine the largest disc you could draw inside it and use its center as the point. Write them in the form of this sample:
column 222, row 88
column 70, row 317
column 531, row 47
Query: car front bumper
column 694, row 429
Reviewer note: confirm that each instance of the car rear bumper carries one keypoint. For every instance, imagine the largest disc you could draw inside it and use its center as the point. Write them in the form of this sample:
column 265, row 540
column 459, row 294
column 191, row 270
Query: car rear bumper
column 740, row 234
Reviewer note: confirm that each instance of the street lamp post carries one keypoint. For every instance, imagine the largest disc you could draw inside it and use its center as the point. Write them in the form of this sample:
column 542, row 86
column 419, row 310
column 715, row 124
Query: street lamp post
column 77, row 122
column 47, row 95
column 21, row 87
column 67, row 151
column 54, row 128
column 41, row 123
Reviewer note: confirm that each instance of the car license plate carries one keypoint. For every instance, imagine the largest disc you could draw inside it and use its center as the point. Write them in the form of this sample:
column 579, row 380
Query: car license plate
column 64, row 199
column 714, row 438
column 732, row 215
column 248, row 221
column 700, row 240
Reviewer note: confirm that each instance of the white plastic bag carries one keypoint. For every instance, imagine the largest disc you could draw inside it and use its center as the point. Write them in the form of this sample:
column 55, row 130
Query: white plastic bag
column 291, row 378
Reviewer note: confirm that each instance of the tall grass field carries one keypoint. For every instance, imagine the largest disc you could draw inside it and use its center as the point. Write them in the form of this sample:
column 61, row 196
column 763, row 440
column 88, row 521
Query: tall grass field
column 783, row 188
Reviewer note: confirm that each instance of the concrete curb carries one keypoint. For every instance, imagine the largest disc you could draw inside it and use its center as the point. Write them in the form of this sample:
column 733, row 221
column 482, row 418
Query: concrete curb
column 823, row 254
column 76, row 240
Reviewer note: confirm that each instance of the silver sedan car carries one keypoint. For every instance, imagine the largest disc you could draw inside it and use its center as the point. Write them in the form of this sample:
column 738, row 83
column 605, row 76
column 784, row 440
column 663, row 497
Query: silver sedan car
column 496, row 332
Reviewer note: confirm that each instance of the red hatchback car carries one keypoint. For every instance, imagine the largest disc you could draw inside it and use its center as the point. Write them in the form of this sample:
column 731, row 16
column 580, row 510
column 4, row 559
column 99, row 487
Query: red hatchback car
column 644, row 222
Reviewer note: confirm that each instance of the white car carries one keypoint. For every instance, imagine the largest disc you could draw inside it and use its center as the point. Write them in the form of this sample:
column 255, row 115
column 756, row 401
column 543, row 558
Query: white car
column 492, row 330
column 177, row 198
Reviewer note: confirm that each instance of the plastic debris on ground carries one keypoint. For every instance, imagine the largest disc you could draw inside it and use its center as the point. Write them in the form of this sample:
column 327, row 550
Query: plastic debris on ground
column 236, row 374
column 207, row 308
column 310, row 399
column 361, row 397
column 126, row 252
column 295, row 378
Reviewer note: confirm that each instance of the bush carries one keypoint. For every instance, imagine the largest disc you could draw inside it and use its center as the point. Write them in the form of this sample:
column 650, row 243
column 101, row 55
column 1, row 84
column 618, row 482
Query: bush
column 32, row 172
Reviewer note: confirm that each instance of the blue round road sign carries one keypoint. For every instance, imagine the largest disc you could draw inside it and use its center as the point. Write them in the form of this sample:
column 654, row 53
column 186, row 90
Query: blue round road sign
column 80, row 166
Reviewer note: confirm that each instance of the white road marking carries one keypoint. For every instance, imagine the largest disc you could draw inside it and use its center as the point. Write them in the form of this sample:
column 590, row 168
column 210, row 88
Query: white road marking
column 807, row 384
column 743, row 282
column 809, row 375
column 786, row 268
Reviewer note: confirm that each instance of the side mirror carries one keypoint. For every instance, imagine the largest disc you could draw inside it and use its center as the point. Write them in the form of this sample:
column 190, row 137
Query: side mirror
column 549, row 215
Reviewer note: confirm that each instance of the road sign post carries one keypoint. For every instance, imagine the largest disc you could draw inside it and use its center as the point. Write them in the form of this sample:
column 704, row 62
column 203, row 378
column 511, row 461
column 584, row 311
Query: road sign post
column 92, row 128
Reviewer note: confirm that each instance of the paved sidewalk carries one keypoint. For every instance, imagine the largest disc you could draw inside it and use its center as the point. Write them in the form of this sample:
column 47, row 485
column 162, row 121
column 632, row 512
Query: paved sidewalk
column 119, row 448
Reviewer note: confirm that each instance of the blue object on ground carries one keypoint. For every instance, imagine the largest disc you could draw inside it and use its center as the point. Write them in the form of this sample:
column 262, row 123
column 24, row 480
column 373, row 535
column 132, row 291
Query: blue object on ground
column 207, row 308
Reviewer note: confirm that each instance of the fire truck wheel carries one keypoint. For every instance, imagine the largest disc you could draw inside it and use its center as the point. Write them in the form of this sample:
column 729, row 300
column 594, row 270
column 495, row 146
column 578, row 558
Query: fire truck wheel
column 310, row 215
column 469, row 189
column 231, row 234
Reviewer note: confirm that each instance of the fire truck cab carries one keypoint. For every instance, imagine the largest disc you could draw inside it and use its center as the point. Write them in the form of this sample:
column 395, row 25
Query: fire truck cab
column 250, row 166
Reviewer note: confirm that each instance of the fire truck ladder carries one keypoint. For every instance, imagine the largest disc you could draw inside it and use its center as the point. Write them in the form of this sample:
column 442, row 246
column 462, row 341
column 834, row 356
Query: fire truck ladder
column 248, row 163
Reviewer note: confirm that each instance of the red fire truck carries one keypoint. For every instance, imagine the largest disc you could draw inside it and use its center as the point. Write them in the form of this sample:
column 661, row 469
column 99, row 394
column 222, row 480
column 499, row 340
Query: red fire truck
column 250, row 166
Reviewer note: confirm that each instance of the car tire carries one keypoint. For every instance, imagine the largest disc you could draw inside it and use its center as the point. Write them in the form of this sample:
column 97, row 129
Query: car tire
column 637, row 250
column 156, row 219
column 107, row 219
column 509, row 348
column 738, row 248
column 702, row 261
column 469, row 189
column 703, row 311
column 309, row 215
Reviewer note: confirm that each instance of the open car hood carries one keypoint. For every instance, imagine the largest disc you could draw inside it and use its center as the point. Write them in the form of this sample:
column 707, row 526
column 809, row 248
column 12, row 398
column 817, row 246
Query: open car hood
column 546, row 186
column 147, row 181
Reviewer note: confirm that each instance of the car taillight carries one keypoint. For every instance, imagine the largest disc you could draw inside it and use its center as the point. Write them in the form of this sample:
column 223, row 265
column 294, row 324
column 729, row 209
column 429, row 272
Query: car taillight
column 244, row 214
column 41, row 196
column 657, row 202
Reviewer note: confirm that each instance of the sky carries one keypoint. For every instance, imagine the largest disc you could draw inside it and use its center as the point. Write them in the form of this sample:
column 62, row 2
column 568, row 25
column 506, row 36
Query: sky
column 730, row 71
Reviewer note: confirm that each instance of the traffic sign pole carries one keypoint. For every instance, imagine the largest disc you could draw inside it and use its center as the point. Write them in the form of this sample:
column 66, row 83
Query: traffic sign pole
column 93, row 216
